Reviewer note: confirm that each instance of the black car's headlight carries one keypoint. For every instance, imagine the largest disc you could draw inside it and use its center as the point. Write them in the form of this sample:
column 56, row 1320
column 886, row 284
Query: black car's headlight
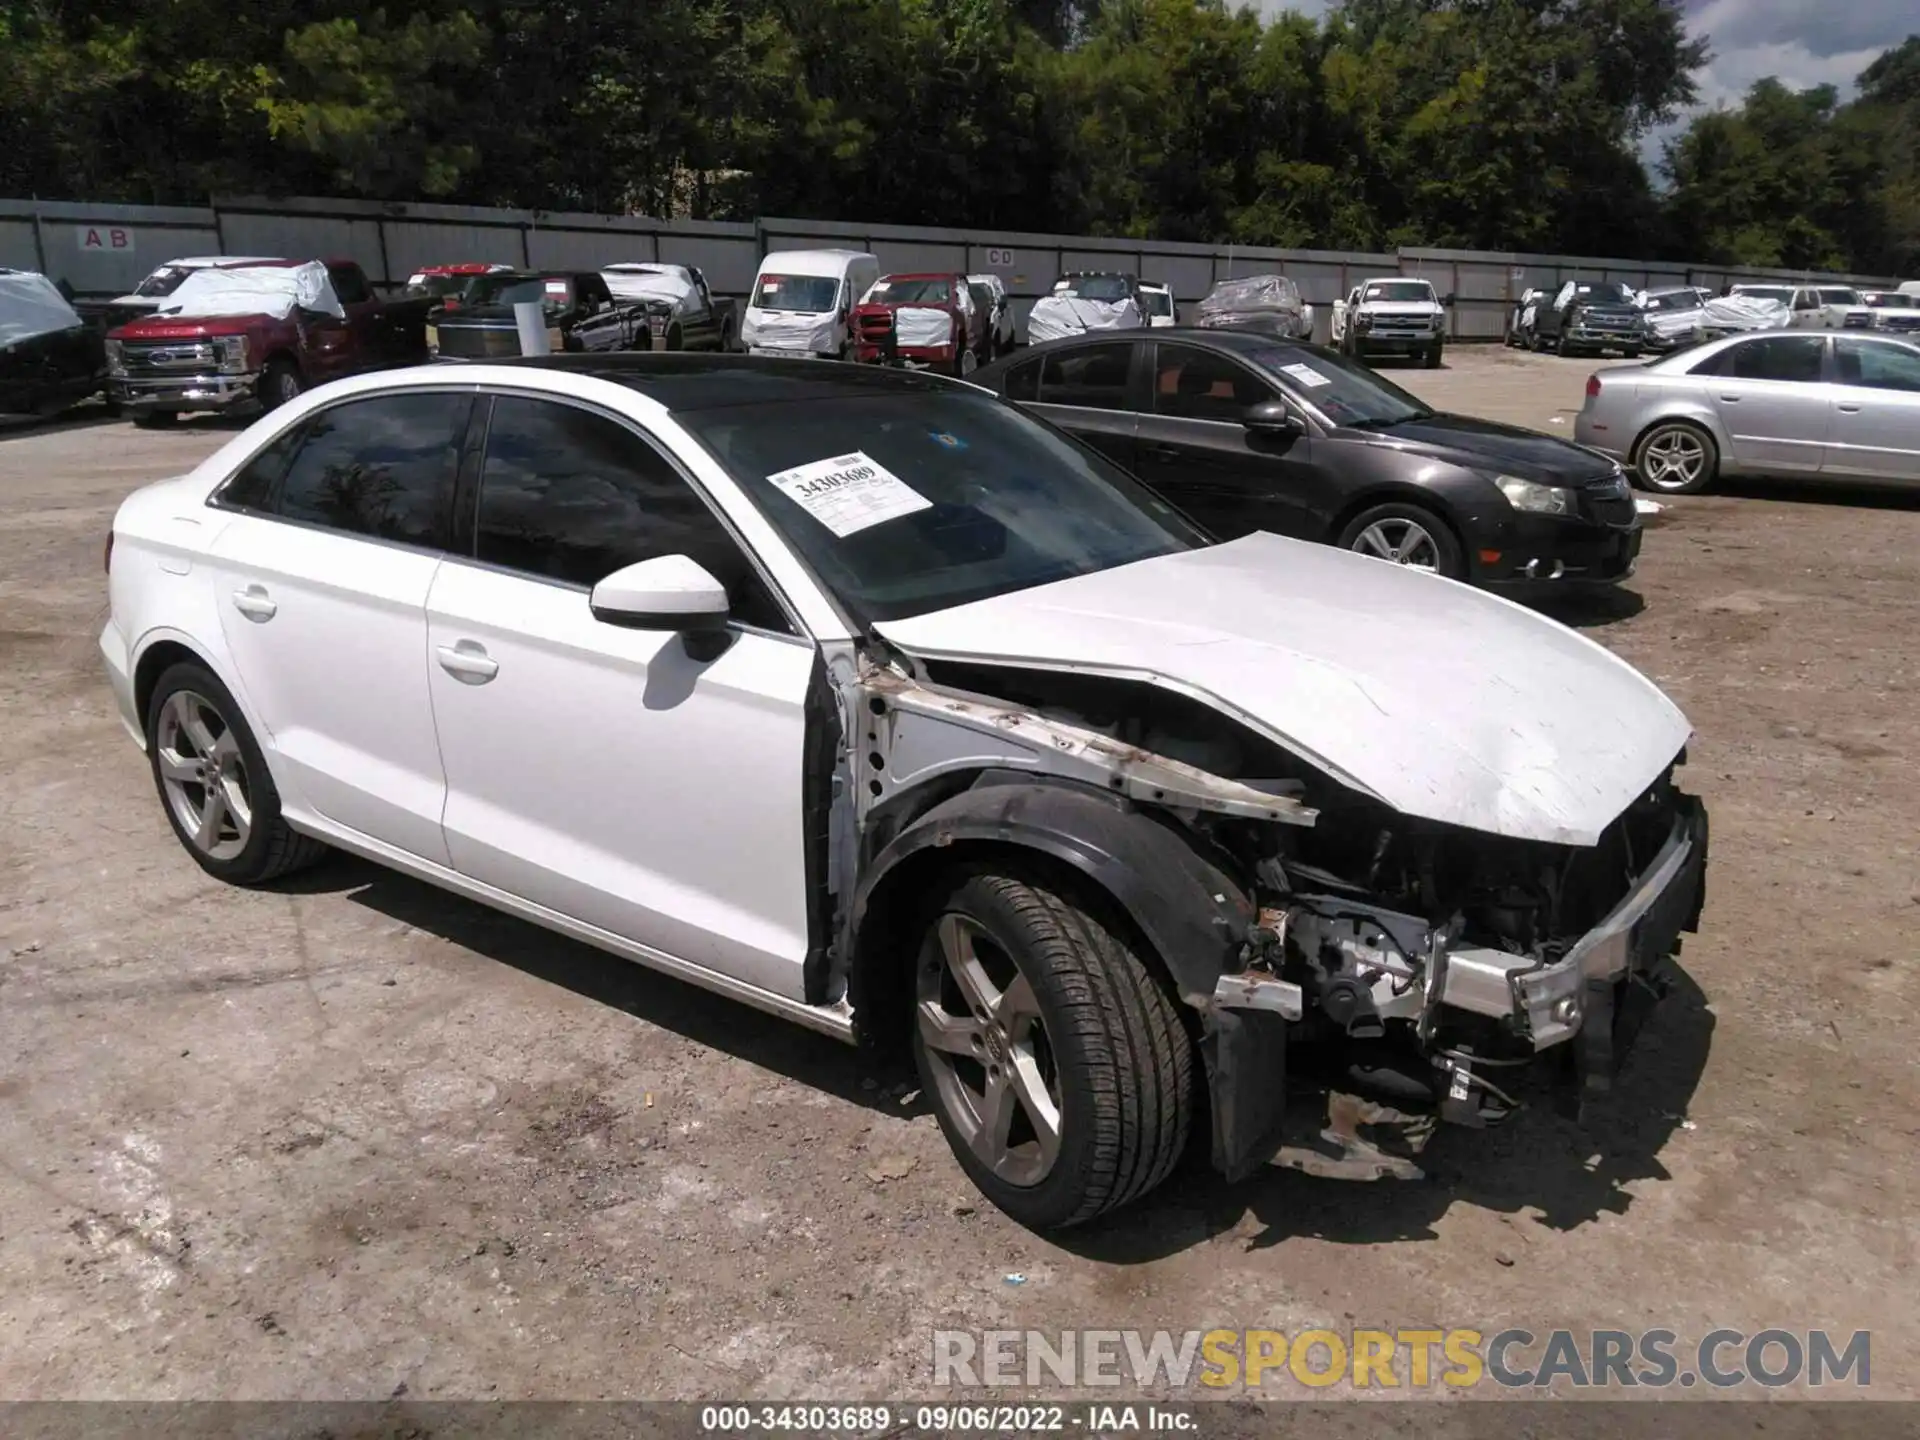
column 1534, row 497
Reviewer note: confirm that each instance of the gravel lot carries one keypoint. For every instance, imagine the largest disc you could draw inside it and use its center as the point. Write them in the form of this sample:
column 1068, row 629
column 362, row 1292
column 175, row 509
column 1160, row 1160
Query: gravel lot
column 352, row 1135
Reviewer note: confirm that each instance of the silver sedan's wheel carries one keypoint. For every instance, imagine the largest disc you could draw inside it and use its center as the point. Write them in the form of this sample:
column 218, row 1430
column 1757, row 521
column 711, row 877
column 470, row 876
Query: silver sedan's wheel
column 1676, row 459
column 1403, row 541
column 988, row 1053
column 204, row 775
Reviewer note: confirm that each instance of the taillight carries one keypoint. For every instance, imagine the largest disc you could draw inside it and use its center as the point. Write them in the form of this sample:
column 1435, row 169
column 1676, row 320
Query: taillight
column 106, row 557
column 1593, row 386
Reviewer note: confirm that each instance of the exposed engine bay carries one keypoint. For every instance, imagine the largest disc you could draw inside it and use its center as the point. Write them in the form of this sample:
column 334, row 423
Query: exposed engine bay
column 1419, row 967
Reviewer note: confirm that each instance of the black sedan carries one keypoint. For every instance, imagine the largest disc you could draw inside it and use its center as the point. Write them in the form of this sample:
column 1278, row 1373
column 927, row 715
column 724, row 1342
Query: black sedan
column 581, row 314
column 1251, row 432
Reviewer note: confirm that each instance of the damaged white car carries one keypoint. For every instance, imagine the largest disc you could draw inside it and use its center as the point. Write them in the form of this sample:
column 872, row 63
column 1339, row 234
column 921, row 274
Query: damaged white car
column 866, row 698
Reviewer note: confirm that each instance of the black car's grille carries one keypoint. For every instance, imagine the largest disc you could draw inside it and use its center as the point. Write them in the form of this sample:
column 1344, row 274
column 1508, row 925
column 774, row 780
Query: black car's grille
column 1609, row 503
column 472, row 342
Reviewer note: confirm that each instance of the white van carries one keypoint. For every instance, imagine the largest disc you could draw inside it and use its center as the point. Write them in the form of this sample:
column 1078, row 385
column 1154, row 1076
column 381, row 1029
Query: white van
column 801, row 300
column 1910, row 287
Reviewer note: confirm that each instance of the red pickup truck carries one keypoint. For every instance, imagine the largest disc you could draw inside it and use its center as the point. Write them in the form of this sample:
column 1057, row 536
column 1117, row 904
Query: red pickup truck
column 259, row 333
column 922, row 322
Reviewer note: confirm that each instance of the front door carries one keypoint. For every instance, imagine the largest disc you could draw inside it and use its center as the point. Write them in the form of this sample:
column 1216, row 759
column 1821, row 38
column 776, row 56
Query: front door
column 1875, row 424
column 1773, row 403
column 1193, row 448
column 602, row 772
column 321, row 585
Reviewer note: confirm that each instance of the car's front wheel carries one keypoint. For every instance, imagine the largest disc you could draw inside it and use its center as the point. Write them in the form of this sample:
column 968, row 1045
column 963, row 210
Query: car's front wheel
column 1405, row 534
column 1434, row 353
column 1676, row 458
column 1055, row 1059
column 214, row 784
column 280, row 383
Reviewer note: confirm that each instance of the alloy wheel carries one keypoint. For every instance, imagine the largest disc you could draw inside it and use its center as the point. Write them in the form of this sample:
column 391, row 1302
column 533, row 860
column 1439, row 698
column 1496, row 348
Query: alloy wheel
column 1672, row 459
column 1403, row 541
column 986, row 1045
column 205, row 775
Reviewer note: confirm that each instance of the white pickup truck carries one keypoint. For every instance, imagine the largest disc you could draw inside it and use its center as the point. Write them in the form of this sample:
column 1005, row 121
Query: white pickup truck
column 1395, row 316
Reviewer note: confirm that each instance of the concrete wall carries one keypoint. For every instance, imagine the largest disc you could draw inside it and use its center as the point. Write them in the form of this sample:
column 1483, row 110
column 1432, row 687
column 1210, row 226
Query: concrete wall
column 104, row 250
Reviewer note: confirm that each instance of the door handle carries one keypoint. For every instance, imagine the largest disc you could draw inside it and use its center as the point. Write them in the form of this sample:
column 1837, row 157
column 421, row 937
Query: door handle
column 1849, row 409
column 1731, row 399
column 1164, row 452
column 254, row 603
column 468, row 662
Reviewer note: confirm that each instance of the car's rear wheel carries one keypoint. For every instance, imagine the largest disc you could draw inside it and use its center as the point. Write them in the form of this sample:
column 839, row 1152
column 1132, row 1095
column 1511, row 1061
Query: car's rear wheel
column 1055, row 1058
column 1676, row 458
column 966, row 362
column 214, row 784
column 1405, row 534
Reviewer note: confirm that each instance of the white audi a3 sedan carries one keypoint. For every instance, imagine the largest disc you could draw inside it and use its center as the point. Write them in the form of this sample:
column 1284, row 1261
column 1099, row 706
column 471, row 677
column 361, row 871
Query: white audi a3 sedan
column 866, row 698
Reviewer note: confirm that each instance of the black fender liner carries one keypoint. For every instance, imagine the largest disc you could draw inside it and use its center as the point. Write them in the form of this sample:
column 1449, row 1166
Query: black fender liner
column 1190, row 911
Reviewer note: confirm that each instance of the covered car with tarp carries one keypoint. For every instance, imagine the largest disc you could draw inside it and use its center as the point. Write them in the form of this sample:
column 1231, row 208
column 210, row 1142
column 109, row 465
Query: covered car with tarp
column 1083, row 302
column 1744, row 310
column 1269, row 303
column 49, row 357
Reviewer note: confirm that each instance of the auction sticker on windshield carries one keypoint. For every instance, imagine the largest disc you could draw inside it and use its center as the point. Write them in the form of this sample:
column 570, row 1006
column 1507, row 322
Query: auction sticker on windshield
column 1306, row 375
column 849, row 493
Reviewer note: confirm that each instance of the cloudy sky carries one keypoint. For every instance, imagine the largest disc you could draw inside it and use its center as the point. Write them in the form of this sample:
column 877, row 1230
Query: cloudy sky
column 1804, row 42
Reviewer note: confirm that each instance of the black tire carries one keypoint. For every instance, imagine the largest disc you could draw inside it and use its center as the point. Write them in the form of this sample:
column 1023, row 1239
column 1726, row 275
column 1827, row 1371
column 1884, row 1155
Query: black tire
column 1560, row 345
column 271, row 848
column 279, row 383
column 1449, row 557
column 1433, row 355
column 156, row 419
column 1649, row 474
column 1122, row 1062
column 674, row 338
column 1633, row 354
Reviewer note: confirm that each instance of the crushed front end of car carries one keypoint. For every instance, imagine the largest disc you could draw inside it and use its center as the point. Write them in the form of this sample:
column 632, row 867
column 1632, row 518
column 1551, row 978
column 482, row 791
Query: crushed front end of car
column 1386, row 973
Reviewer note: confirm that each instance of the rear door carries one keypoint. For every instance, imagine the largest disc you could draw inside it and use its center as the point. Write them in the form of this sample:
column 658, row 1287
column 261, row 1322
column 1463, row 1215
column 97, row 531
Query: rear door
column 603, row 772
column 1193, row 448
column 1875, row 425
column 321, row 580
column 369, row 345
column 1773, row 402
column 1090, row 390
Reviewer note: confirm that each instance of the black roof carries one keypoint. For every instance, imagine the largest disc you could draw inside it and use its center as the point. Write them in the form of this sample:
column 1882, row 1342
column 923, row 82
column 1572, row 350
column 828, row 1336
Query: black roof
column 691, row 380
column 1224, row 338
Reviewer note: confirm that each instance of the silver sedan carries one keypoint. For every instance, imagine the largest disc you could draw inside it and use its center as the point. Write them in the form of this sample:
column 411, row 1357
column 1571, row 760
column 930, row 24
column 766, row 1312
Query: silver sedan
column 1825, row 405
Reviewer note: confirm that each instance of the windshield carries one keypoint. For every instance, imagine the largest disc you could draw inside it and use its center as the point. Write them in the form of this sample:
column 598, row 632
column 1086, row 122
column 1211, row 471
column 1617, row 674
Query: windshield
column 1397, row 291
column 437, row 287
column 1766, row 292
column 163, row 281
column 912, row 292
column 808, row 294
column 1109, row 289
column 1676, row 300
column 903, row 503
column 1838, row 295
column 1346, row 393
column 1604, row 293
column 509, row 290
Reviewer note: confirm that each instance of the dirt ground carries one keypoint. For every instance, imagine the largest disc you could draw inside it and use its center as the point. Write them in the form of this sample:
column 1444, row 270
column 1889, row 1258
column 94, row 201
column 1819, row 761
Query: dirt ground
column 352, row 1138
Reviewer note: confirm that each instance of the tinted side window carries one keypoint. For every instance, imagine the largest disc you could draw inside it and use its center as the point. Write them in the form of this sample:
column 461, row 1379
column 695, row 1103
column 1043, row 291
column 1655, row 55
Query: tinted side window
column 1875, row 366
column 1094, row 376
column 592, row 290
column 573, row 496
column 1023, row 381
column 381, row 467
column 1194, row 384
column 349, row 284
column 253, row 485
column 1778, row 357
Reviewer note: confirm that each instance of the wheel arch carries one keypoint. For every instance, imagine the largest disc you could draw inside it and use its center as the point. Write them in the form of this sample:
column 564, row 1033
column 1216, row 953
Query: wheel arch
column 1191, row 916
column 1701, row 416
column 159, row 649
column 1386, row 492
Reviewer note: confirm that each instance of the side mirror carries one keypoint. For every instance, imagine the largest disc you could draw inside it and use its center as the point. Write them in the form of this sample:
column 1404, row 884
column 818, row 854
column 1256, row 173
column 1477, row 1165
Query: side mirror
column 1272, row 417
column 668, row 592
column 1448, row 300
